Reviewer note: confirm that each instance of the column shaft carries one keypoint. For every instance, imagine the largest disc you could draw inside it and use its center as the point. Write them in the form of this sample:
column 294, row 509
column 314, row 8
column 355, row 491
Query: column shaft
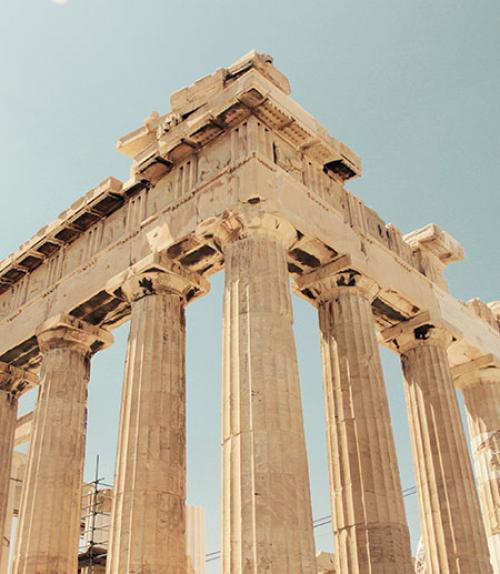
column 5, row 550
column 49, row 528
column 482, row 402
column 452, row 528
column 48, row 532
column 8, row 415
column 369, row 521
column 17, row 479
column 266, row 507
column 148, row 522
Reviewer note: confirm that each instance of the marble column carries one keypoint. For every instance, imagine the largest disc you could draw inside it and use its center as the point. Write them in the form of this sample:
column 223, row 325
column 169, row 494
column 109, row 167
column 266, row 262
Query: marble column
column 266, row 506
column 17, row 476
column 148, row 516
column 6, row 539
column 481, row 390
column 48, row 531
column 452, row 526
column 8, row 416
column 369, row 523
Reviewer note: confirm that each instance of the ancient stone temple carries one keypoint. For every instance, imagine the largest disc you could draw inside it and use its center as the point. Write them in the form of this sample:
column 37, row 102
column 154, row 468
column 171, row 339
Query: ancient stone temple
column 237, row 176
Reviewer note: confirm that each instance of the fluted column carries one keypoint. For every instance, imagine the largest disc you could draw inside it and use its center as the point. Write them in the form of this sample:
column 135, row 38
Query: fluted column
column 452, row 527
column 6, row 541
column 481, row 390
column 8, row 416
column 48, row 531
column 369, row 523
column 148, row 517
column 266, row 506
column 12, row 382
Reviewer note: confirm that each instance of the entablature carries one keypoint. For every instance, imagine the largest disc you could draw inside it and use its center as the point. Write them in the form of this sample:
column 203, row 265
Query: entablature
column 249, row 87
column 238, row 139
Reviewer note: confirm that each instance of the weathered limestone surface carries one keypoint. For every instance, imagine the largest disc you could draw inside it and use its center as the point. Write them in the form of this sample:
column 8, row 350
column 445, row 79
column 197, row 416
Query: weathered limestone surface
column 371, row 534
column 452, row 527
column 148, row 522
column 266, row 507
column 47, row 539
column 8, row 415
column 481, row 389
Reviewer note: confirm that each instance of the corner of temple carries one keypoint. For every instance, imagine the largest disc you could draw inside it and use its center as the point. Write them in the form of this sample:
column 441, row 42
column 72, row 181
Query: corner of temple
column 195, row 96
column 437, row 241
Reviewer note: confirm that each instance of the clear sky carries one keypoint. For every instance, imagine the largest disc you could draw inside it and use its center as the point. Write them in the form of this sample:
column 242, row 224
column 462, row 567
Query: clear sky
column 412, row 85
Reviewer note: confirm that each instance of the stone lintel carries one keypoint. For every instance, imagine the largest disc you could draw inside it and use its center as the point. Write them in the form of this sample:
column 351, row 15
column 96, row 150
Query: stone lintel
column 95, row 205
column 159, row 272
column 481, row 362
column 64, row 330
column 15, row 381
column 324, row 282
column 440, row 243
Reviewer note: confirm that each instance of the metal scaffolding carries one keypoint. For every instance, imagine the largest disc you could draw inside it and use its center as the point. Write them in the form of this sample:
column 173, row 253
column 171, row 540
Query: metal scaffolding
column 96, row 518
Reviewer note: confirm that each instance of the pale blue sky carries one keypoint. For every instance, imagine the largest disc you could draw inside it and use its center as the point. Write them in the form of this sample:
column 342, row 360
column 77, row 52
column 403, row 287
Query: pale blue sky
column 412, row 86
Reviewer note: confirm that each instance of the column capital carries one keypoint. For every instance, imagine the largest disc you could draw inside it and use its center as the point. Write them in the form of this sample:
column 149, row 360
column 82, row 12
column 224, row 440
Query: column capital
column 483, row 369
column 159, row 273
column 251, row 220
column 336, row 276
column 418, row 331
column 67, row 331
column 15, row 381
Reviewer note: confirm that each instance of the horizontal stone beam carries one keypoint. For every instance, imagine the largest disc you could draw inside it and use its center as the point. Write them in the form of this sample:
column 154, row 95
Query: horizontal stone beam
column 403, row 288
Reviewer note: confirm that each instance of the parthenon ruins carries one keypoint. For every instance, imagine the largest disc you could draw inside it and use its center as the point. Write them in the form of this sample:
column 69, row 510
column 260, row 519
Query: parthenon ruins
column 237, row 176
